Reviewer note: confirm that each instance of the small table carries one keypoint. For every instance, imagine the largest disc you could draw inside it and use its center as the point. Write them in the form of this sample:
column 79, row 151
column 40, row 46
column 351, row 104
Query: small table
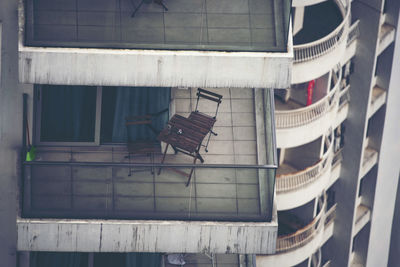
column 186, row 135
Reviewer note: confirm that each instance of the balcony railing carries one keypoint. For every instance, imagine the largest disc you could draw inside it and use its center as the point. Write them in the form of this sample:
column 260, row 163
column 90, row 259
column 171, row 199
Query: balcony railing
column 293, row 181
column 310, row 51
column 305, row 115
column 330, row 215
column 117, row 190
column 304, row 235
column 354, row 32
column 344, row 96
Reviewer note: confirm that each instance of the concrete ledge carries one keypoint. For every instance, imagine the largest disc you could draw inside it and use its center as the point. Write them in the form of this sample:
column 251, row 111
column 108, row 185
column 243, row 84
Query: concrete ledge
column 146, row 236
column 123, row 67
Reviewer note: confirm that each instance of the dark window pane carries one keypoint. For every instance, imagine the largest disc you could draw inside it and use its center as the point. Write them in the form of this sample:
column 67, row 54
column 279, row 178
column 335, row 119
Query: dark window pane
column 121, row 102
column 59, row 259
column 109, row 260
column 68, row 113
column 143, row 259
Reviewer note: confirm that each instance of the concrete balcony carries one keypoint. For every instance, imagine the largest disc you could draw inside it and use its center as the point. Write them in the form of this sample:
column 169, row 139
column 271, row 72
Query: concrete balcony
column 294, row 189
column 294, row 248
column 297, row 125
column 386, row 37
column 94, row 199
column 369, row 160
column 192, row 46
column 363, row 216
column 314, row 59
column 378, row 99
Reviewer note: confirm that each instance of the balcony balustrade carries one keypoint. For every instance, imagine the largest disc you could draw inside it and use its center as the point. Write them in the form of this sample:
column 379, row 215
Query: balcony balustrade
column 305, row 115
column 354, row 32
column 330, row 216
column 143, row 212
column 314, row 59
column 298, row 126
column 294, row 248
column 110, row 190
column 297, row 180
column 305, row 235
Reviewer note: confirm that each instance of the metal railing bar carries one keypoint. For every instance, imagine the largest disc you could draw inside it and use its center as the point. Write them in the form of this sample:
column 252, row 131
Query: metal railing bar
column 163, row 165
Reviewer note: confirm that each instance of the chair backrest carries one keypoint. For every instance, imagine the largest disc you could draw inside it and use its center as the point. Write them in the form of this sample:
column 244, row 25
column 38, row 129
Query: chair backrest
column 201, row 93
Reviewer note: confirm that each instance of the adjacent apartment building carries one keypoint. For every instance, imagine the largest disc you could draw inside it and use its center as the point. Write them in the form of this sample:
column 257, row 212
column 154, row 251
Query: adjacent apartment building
column 300, row 168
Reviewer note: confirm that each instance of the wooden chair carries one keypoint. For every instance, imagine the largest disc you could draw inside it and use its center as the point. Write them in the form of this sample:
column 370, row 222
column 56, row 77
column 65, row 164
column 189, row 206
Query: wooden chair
column 186, row 135
column 142, row 147
column 203, row 119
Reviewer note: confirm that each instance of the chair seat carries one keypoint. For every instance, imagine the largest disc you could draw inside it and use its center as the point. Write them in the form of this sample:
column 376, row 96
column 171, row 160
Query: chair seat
column 202, row 119
column 144, row 147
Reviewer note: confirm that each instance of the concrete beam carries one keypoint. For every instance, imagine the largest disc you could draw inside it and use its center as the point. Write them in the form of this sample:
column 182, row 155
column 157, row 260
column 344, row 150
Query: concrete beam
column 146, row 236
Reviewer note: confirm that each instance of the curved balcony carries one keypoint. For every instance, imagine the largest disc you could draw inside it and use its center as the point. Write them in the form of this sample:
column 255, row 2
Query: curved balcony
column 297, row 188
column 316, row 58
column 294, row 248
column 299, row 126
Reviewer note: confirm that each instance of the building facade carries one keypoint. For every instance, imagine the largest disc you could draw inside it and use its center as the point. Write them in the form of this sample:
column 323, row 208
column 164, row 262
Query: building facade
column 315, row 97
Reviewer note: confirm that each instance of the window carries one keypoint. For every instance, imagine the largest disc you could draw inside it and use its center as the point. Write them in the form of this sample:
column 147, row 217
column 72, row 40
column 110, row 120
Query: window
column 89, row 115
column 67, row 113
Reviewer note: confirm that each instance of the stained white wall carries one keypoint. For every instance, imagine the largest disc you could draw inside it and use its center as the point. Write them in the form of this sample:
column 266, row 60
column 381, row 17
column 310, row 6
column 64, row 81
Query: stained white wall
column 147, row 236
column 388, row 172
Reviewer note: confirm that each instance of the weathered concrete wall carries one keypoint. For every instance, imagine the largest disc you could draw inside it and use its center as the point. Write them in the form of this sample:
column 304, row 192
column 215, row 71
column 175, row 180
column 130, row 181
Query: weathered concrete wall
column 146, row 236
column 119, row 67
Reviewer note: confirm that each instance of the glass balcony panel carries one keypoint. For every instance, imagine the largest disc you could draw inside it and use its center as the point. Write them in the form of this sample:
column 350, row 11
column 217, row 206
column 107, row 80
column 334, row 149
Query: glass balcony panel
column 100, row 190
column 221, row 25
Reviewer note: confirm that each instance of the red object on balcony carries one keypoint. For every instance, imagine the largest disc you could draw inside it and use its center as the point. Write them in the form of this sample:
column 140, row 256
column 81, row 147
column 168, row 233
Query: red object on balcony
column 310, row 89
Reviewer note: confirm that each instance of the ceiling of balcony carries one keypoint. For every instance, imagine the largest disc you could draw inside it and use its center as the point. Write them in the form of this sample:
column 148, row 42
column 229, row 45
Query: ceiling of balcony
column 230, row 25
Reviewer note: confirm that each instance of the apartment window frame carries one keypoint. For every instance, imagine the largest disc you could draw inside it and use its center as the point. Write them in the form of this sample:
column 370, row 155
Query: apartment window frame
column 37, row 105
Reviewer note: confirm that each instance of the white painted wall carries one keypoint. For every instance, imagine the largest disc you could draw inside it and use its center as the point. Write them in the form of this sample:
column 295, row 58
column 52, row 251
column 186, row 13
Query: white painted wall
column 388, row 172
column 119, row 67
column 146, row 236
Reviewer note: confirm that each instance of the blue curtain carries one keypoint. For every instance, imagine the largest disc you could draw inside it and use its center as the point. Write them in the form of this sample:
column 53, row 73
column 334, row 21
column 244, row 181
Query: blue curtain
column 58, row 259
column 121, row 102
column 143, row 259
column 68, row 113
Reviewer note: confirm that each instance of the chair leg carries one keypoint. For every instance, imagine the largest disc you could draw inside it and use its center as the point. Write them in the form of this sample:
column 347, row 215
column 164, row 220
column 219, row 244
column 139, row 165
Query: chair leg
column 208, row 140
column 163, row 158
